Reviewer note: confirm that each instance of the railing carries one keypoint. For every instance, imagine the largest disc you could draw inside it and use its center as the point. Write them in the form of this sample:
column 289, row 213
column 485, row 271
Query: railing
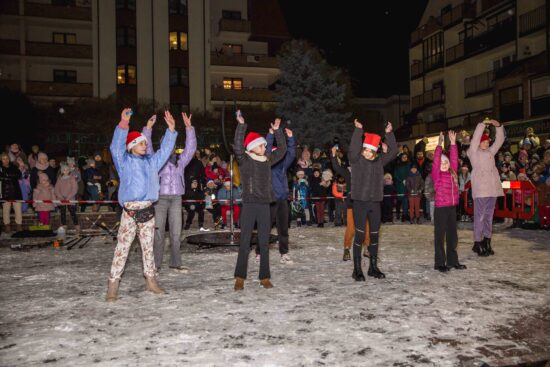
column 9, row 47
column 479, row 83
column 454, row 54
column 262, row 61
column 487, row 4
column 235, row 25
column 433, row 62
column 427, row 98
column 456, row 14
column 59, row 50
column 245, row 94
column 56, row 11
column 59, row 89
column 532, row 21
column 417, row 69
column 433, row 25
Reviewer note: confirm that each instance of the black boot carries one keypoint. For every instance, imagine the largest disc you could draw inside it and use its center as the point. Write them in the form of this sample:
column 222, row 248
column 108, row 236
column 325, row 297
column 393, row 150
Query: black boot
column 483, row 249
column 357, row 271
column 373, row 268
column 347, row 256
column 488, row 245
column 459, row 266
column 477, row 247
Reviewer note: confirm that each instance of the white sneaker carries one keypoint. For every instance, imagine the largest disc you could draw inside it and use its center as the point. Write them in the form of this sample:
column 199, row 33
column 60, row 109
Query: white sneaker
column 257, row 259
column 202, row 229
column 180, row 269
column 285, row 259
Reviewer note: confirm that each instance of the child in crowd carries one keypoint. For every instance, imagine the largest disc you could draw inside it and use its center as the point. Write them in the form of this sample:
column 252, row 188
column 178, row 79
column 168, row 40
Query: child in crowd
column 66, row 188
column 389, row 199
column 43, row 191
column 414, row 185
column 194, row 192
column 224, row 198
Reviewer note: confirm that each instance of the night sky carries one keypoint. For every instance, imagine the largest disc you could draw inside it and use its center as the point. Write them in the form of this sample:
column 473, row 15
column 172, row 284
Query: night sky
column 381, row 32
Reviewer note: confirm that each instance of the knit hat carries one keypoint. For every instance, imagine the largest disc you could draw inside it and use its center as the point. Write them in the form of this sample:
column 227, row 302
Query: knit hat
column 71, row 160
column 327, row 175
column 388, row 176
column 42, row 155
column 415, row 165
column 485, row 137
column 444, row 158
column 227, row 180
column 371, row 141
column 507, row 154
column 133, row 139
column 253, row 140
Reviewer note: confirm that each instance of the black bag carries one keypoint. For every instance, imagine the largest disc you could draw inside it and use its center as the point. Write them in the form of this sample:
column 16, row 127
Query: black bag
column 141, row 215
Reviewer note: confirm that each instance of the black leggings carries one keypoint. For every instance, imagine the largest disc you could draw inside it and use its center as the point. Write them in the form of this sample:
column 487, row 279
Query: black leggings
column 445, row 228
column 361, row 211
column 72, row 211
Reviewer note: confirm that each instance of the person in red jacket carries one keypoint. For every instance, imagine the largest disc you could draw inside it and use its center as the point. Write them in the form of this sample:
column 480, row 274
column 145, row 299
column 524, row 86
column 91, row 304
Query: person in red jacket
column 445, row 181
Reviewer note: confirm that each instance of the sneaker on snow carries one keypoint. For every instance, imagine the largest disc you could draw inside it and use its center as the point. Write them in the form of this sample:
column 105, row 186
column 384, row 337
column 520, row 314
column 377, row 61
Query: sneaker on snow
column 285, row 259
column 180, row 269
column 202, row 229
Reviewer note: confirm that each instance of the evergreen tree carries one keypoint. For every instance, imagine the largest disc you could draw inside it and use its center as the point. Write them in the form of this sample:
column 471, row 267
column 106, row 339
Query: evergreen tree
column 312, row 95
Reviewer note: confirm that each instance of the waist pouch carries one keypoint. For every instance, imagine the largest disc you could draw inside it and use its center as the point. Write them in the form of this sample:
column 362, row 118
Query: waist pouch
column 141, row 215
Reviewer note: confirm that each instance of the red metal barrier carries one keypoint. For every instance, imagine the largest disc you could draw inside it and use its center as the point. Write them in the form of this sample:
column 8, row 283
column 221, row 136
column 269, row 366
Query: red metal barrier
column 506, row 206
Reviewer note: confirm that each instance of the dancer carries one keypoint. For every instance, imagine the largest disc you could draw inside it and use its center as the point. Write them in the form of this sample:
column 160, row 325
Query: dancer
column 367, row 181
column 255, row 168
column 486, row 186
column 139, row 189
column 445, row 181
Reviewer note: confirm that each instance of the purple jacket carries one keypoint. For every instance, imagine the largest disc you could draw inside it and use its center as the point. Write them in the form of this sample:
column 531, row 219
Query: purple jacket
column 172, row 181
column 446, row 189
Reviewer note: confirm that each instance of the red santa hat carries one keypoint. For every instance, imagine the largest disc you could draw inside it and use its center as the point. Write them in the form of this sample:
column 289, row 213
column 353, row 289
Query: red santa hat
column 227, row 180
column 371, row 141
column 133, row 139
column 485, row 137
column 253, row 140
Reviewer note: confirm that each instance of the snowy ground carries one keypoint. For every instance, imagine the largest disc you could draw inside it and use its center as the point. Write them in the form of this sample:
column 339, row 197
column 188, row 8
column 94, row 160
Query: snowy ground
column 52, row 307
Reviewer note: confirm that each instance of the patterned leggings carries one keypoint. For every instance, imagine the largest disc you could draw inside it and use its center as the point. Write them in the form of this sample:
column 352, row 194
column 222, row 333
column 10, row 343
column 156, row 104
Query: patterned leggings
column 126, row 234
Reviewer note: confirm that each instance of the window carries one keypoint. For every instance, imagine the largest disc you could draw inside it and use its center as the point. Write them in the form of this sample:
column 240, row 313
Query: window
column 232, row 49
column 64, row 76
column 126, row 74
column 179, row 77
column 178, row 41
column 432, row 51
column 126, row 4
column 232, row 83
column 499, row 19
column 64, row 38
column 231, row 14
column 126, row 37
column 177, row 7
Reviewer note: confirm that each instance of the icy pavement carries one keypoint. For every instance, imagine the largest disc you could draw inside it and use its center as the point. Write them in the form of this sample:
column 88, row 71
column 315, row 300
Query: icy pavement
column 497, row 311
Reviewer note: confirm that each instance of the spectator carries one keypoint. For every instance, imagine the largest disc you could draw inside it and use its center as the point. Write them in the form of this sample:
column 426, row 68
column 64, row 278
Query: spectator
column 10, row 190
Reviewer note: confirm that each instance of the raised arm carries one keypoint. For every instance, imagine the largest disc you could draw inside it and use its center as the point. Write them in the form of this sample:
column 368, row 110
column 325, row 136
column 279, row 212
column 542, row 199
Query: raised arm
column 453, row 151
column 476, row 139
column 118, row 144
column 291, row 150
column 392, row 146
column 499, row 138
column 279, row 154
column 342, row 171
column 147, row 131
column 240, row 131
column 436, row 164
column 269, row 139
column 168, row 142
column 190, row 143
column 356, row 145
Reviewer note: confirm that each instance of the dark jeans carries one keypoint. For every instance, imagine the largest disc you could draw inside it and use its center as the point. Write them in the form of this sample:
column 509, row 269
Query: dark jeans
column 191, row 215
column 72, row 212
column 445, row 228
column 279, row 217
column 361, row 211
column 254, row 213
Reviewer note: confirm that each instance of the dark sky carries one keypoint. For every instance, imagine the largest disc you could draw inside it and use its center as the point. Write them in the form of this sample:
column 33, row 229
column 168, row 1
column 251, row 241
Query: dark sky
column 379, row 30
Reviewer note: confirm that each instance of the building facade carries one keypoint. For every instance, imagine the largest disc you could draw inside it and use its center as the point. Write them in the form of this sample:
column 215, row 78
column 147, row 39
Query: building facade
column 475, row 59
column 62, row 50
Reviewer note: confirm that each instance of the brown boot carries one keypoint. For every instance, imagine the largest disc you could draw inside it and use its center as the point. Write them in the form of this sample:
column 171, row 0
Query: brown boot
column 18, row 227
column 112, row 290
column 7, row 228
column 151, row 285
column 239, row 284
column 266, row 283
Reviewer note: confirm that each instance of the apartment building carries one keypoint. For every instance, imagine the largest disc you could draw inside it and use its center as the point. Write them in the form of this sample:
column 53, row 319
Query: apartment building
column 62, row 50
column 471, row 59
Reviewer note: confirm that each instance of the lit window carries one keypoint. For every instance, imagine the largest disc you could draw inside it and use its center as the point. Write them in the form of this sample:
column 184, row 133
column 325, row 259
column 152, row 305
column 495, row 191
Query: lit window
column 121, row 74
column 183, row 41
column 227, row 84
column 64, row 38
column 232, row 83
column 237, row 84
column 126, row 74
column 132, row 74
column 178, row 41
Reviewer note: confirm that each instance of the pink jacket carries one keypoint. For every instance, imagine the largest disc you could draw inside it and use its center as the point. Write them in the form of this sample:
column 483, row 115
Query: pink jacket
column 42, row 192
column 446, row 189
column 66, row 188
column 485, row 177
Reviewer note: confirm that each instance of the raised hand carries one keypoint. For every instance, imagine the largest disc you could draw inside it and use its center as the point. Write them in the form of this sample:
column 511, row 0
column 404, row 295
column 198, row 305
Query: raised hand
column 452, row 136
column 186, row 119
column 288, row 132
column 333, row 151
column 276, row 124
column 126, row 114
column 240, row 117
column 358, row 124
column 389, row 128
column 170, row 121
column 441, row 139
column 495, row 123
column 151, row 122
column 271, row 131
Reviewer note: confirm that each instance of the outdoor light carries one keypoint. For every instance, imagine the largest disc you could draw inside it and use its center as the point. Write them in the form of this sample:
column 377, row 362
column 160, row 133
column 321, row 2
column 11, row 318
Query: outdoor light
column 61, row 110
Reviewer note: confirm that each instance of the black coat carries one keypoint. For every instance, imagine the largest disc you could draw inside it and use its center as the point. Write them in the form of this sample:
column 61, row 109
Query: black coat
column 9, row 178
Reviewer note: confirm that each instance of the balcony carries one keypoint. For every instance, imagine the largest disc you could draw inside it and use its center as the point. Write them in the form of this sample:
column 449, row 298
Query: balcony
column 234, row 25
column 260, row 61
column 479, row 84
column 59, row 12
column 9, row 47
column 488, row 4
column 417, row 69
column 532, row 21
column 436, row 126
column 59, row 50
column 427, row 99
column 433, row 25
column 457, row 14
column 245, row 94
column 56, row 89
column 454, row 54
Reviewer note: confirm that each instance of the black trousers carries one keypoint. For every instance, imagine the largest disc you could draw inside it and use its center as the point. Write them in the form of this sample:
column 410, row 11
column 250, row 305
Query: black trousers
column 361, row 211
column 279, row 217
column 191, row 216
column 445, row 228
column 72, row 212
column 254, row 213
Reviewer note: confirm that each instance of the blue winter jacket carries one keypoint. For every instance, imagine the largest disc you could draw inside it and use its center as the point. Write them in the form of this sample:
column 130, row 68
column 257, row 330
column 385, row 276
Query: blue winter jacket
column 139, row 178
column 279, row 181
